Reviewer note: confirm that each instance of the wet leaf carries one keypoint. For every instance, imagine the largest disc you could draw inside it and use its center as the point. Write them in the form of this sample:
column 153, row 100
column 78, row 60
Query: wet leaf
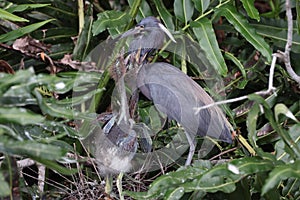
column 31, row 149
column 281, row 173
column 19, row 115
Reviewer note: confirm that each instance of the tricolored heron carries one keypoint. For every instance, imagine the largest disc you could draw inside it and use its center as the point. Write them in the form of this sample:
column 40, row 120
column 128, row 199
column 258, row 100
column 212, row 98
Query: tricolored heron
column 173, row 92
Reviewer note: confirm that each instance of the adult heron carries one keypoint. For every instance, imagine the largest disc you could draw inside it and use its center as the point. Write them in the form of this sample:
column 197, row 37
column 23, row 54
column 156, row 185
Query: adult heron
column 173, row 92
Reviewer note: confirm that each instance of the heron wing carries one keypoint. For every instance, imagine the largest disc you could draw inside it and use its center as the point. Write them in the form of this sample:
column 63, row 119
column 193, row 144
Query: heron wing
column 176, row 94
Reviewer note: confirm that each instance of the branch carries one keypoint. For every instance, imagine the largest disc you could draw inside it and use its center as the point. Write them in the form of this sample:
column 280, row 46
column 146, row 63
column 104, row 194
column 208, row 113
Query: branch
column 270, row 89
column 288, row 46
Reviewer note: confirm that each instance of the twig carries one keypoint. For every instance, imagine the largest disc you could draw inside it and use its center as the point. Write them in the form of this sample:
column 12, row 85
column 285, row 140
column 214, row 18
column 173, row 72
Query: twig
column 288, row 46
column 270, row 90
column 41, row 177
column 222, row 153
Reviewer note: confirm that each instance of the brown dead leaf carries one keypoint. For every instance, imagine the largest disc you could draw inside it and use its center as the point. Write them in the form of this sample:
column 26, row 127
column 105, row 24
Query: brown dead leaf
column 30, row 45
column 82, row 66
column 6, row 68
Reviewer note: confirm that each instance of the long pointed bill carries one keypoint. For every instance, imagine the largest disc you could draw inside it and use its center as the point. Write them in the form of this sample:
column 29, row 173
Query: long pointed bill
column 166, row 32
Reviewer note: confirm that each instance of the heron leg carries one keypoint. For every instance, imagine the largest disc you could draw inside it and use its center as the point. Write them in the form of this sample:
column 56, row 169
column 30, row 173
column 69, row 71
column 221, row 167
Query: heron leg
column 192, row 143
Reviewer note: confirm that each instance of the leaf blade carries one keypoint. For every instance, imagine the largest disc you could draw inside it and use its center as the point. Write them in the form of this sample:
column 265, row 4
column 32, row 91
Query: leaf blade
column 208, row 42
column 12, row 35
column 242, row 26
column 251, row 10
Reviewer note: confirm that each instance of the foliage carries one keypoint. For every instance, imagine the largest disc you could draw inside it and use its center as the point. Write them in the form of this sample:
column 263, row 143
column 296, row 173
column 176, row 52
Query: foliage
column 38, row 108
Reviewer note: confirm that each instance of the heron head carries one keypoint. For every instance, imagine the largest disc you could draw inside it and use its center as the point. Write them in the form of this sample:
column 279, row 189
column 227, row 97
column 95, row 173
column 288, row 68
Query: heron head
column 149, row 24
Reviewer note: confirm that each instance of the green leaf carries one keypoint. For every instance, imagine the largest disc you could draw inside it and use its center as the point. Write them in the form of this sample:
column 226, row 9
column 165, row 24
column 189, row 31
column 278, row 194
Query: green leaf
column 110, row 20
column 290, row 144
column 230, row 56
column 4, row 187
column 219, row 178
column 281, row 173
column 12, row 35
column 251, row 165
column 251, row 124
column 282, row 109
column 53, row 109
column 241, row 24
column 175, row 194
column 201, row 6
column 84, row 40
column 276, row 30
column 134, row 5
column 164, row 14
column 56, row 167
column 144, row 10
column 31, row 149
column 250, row 8
column 298, row 16
column 22, row 7
column 280, row 146
column 183, row 10
column 11, row 17
column 208, row 42
column 19, row 115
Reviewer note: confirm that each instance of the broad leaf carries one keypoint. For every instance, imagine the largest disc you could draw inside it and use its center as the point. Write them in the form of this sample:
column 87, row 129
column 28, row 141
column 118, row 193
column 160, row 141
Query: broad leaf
column 281, row 173
column 19, row 115
column 237, row 62
column 110, row 20
column 144, row 10
column 31, row 149
column 201, row 6
column 164, row 14
column 282, row 109
column 250, row 8
column 208, row 42
column 183, row 10
column 241, row 24
column 276, row 30
column 175, row 194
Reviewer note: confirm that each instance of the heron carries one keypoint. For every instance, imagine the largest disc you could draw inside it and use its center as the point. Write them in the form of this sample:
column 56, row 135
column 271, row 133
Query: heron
column 172, row 91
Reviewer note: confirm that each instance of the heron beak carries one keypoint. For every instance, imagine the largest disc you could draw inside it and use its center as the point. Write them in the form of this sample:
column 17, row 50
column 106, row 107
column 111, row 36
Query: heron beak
column 166, row 32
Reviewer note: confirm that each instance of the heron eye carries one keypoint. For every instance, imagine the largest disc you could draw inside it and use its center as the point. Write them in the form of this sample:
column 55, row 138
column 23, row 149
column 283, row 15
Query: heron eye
column 141, row 26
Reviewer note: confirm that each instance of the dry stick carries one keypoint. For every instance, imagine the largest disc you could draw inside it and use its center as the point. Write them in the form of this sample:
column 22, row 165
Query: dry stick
column 270, row 90
column 41, row 177
column 288, row 46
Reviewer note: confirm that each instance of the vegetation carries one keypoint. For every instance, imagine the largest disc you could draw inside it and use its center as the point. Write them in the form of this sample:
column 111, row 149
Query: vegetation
column 46, row 84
